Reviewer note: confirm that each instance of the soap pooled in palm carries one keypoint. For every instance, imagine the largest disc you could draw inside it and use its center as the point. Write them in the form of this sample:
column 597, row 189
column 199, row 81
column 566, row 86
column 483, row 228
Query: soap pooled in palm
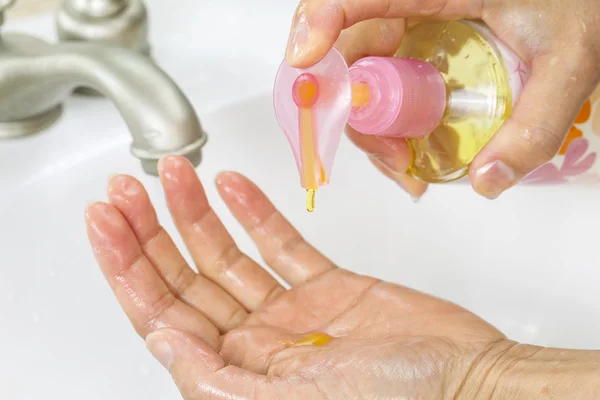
column 312, row 339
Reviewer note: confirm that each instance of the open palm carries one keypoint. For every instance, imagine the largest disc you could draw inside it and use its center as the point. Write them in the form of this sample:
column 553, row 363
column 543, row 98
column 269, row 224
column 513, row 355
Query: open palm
column 228, row 331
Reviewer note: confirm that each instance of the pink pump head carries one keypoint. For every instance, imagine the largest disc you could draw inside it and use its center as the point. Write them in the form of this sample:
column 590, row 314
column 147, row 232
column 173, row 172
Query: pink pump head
column 407, row 98
column 330, row 112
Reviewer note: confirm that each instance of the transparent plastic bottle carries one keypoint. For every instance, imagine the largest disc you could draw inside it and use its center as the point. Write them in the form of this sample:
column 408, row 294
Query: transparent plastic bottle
column 483, row 80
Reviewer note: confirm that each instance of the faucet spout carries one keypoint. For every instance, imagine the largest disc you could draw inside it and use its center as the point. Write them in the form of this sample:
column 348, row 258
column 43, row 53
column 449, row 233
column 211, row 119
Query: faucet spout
column 36, row 78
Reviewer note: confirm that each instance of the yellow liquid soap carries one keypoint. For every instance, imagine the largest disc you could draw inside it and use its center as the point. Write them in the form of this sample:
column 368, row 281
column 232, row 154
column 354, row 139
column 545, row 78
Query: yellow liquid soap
column 473, row 71
column 310, row 200
column 306, row 93
column 360, row 95
column 312, row 339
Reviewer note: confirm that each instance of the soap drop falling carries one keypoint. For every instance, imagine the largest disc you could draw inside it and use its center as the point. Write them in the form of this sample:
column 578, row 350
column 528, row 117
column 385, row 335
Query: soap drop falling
column 310, row 200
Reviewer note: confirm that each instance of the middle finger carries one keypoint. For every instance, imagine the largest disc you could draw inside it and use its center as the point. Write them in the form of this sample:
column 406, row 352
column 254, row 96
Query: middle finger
column 210, row 245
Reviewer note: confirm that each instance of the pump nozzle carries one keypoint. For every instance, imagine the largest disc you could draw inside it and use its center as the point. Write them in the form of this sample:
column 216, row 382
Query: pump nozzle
column 312, row 107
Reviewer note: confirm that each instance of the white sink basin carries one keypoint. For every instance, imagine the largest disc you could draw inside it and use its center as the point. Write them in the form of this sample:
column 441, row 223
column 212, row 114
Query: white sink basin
column 525, row 262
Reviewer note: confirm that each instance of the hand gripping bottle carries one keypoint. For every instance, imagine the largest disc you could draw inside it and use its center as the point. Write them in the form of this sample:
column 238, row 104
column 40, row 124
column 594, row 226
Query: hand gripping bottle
column 447, row 90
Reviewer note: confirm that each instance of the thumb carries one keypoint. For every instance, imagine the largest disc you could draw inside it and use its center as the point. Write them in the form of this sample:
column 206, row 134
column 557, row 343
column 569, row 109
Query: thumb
column 200, row 372
column 532, row 136
column 317, row 24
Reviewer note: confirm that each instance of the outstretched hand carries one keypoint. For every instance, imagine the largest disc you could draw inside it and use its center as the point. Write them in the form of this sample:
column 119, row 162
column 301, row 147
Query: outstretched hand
column 230, row 330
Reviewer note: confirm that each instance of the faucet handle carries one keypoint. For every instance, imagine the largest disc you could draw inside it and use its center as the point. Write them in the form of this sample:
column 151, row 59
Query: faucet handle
column 5, row 5
column 116, row 22
column 96, row 9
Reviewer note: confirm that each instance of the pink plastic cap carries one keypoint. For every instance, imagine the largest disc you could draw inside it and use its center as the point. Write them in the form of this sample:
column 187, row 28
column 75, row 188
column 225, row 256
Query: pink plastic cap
column 407, row 97
column 330, row 110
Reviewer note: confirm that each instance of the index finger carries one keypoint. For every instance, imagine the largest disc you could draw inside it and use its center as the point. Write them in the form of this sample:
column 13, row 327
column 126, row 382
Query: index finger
column 143, row 295
column 318, row 23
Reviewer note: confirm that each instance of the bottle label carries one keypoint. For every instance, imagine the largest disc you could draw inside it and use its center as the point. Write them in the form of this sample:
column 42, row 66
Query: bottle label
column 577, row 161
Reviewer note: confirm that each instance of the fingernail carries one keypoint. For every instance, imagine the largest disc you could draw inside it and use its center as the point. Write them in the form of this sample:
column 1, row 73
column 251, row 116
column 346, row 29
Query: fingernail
column 398, row 165
column 160, row 165
column 104, row 222
column 297, row 42
column 225, row 178
column 493, row 179
column 397, row 146
column 160, row 348
column 412, row 187
column 175, row 163
column 415, row 199
column 163, row 161
column 88, row 206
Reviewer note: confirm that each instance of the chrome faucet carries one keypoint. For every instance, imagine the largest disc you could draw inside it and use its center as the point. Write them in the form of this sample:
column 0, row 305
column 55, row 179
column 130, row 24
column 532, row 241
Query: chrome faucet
column 36, row 77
